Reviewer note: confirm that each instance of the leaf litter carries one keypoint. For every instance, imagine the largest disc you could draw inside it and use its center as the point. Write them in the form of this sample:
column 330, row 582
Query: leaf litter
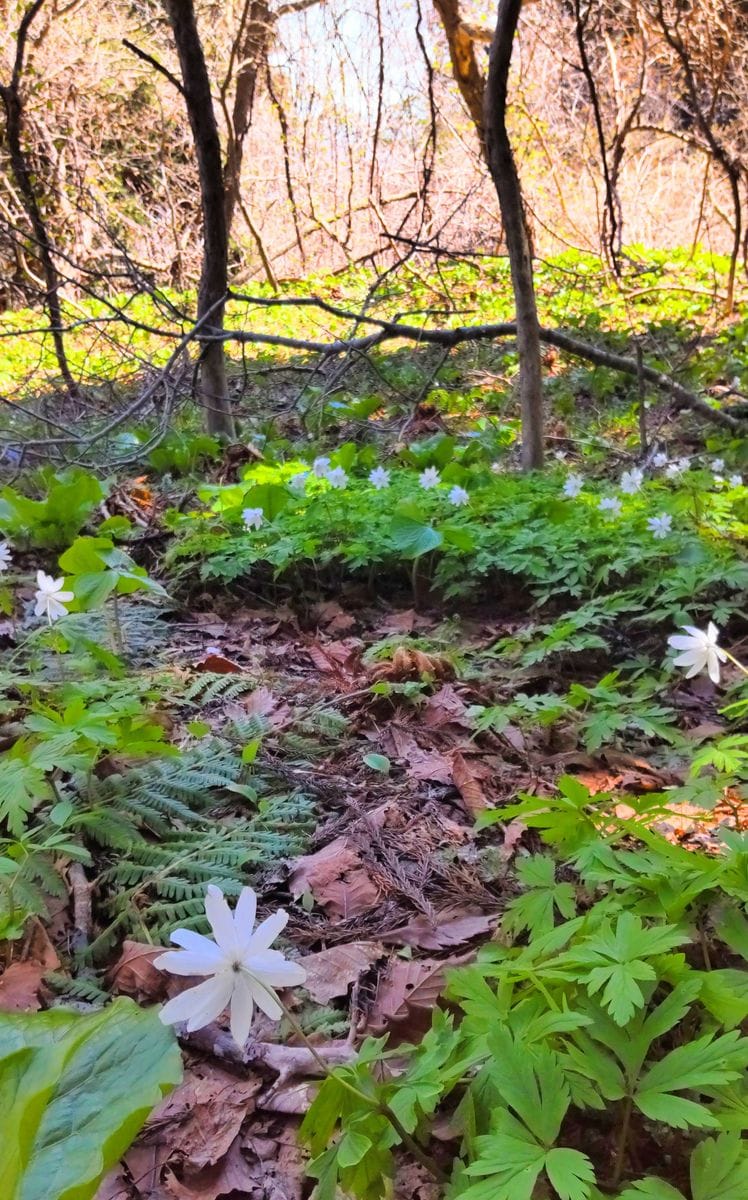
column 395, row 888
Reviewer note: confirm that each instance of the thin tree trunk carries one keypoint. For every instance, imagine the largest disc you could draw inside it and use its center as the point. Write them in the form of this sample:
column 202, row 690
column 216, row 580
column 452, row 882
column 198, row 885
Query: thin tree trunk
column 503, row 170
column 11, row 98
column 465, row 67
column 214, row 395
column 253, row 43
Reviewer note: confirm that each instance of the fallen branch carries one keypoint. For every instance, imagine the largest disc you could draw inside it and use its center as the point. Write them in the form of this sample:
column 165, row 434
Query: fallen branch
column 389, row 330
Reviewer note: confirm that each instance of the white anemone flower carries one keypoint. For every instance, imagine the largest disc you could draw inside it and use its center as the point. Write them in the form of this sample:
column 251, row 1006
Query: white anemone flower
column 50, row 597
column 659, row 460
column 718, row 479
column 337, row 478
column 611, row 505
column 253, row 518
column 631, row 481
column 379, row 478
column 241, row 968
column 297, row 482
column 700, row 651
column 321, row 466
column 458, row 496
column 718, row 465
column 734, row 481
column 6, row 558
column 429, row 478
column 573, row 486
column 660, row 526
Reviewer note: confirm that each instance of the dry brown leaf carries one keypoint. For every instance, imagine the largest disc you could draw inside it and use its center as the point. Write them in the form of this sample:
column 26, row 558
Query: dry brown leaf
column 512, row 835
column 419, row 764
column 408, row 991
column 39, row 948
column 134, row 974
column 260, row 702
column 332, row 618
column 114, row 1186
column 331, row 972
column 19, row 987
column 295, row 1098
column 445, row 707
column 217, row 663
column 232, row 1176
column 465, row 779
column 449, row 928
column 200, row 1119
column 337, row 878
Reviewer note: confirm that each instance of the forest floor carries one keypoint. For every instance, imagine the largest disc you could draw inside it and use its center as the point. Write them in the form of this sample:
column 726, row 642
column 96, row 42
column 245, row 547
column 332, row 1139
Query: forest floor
column 343, row 704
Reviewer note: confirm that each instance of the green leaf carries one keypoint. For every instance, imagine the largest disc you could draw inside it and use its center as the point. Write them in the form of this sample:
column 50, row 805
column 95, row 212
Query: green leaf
column 706, row 1062
column 651, row 1188
column 616, row 961
column 89, row 1081
column 570, row 1172
column 272, row 498
column 411, row 534
column 719, row 1169
column 378, row 762
column 352, row 1147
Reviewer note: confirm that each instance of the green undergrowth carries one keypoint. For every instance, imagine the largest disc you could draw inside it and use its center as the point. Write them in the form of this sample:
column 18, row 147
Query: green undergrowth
column 666, row 299
column 513, row 531
column 593, row 1050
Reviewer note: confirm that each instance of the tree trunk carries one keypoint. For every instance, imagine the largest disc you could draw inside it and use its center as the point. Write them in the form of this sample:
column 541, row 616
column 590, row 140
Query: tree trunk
column 252, row 51
column 503, row 170
column 465, row 67
column 11, row 98
column 214, row 396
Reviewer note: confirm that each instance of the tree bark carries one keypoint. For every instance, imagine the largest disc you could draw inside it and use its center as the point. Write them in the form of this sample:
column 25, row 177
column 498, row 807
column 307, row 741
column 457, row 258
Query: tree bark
column 214, row 395
column 467, row 73
column 252, row 49
column 11, row 98
column 503, row 170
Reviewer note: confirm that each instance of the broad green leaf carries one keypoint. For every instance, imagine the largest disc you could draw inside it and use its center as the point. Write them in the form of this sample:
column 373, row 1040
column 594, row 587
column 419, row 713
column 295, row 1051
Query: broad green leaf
column 86, row 1081
column 272, row 498
column 411, row 534
column 352, row 1147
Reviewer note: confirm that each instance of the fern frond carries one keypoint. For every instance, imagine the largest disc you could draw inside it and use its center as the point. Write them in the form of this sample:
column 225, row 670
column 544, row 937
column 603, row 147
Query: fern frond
column 207, row 687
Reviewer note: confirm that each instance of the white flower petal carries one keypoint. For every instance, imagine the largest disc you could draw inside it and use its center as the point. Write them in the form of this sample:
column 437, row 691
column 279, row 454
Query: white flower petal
column 713, row 667
column 266, row 933
column 712, row 631
column 680, row 642
column 220, row 919
column 281, row 974
column 267, row 1003
column 690, row 658
column 242, row 1010
column 186, row 962
column 200, row 1005
column 244, row 917
column 197, row 942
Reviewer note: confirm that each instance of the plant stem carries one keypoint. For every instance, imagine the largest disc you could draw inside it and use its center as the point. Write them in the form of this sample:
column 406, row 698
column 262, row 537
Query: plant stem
column 119, row 645
column 379, row 1106
column 623, row 1138
column 735, row 662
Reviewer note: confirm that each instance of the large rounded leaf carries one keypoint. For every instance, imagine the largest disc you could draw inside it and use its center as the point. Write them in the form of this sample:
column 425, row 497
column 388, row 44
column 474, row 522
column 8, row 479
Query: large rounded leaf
column 411, row 534
column 74, row 1092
